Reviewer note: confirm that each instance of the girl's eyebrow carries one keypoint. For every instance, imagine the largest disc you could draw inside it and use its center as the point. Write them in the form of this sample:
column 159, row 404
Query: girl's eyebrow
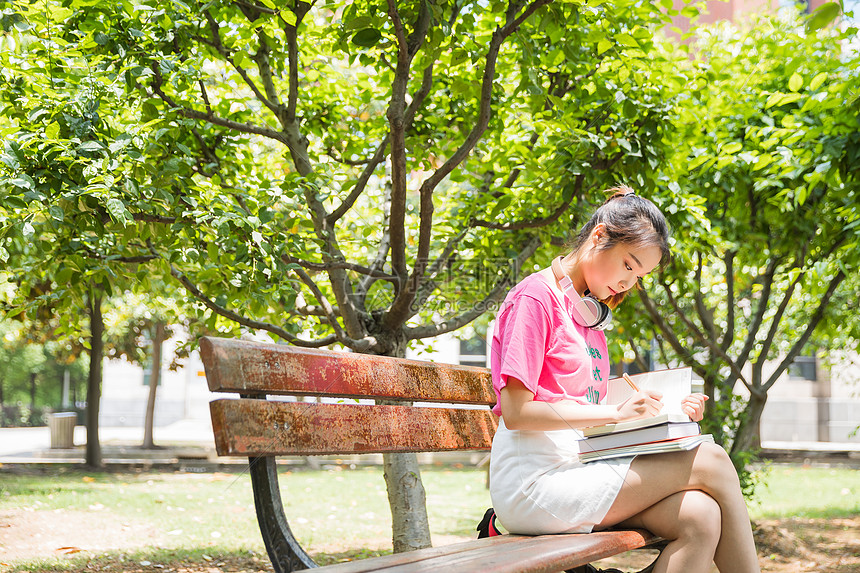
column 635, row 259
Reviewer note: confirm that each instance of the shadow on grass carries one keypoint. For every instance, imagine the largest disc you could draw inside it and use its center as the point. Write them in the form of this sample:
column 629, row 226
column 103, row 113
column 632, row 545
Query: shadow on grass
column 194, row 560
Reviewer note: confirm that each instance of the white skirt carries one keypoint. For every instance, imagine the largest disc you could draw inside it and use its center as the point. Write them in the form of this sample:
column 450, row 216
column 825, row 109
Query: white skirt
column 539, row 486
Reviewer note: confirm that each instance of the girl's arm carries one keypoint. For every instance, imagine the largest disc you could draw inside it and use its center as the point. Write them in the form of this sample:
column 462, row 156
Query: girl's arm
column 521, row 411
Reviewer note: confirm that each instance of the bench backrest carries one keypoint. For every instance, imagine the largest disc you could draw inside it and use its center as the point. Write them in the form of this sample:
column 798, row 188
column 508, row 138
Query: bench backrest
column 254, row 426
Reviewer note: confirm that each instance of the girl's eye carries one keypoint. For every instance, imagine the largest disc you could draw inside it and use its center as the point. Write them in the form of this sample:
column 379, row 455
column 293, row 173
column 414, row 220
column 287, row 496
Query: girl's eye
column 628, row 267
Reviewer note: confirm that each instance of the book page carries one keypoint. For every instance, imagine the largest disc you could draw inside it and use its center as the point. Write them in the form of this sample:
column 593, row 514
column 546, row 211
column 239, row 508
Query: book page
column 675, row 384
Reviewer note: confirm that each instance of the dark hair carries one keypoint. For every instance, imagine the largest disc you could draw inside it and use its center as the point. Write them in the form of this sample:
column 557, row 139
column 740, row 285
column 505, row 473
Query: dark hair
column 629, row 219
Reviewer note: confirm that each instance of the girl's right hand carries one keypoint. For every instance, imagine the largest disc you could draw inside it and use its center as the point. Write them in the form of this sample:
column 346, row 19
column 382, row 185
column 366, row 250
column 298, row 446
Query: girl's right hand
column 642, row 404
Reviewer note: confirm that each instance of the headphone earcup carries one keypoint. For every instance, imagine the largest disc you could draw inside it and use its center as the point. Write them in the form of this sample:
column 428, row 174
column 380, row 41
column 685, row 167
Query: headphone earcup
column 601, row 313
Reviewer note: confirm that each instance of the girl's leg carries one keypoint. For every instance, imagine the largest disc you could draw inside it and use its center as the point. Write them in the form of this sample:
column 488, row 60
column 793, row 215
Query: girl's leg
column 708, row 468
column 691, row 520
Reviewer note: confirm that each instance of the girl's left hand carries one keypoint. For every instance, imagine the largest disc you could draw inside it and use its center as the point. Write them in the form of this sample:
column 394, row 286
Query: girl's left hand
column 694, row 406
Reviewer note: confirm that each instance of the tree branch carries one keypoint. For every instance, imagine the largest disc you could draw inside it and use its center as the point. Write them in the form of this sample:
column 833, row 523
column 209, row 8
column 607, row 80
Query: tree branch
column 540, row 221
column 254, row 324
column 810, row 328
column 382, row 248
column 212, row 118
column 150, row 218
column 706, row 315
column 710, row 344
column 400, row 308
column 767, row 343
column 669, row 335
column 760, row 310
column 397, row 136
column 377, row 274
column 496, row 295
column 362, row 345
column 499, row 37
column 360, row 184
column 379, row 156
column 729, row 334
column 225, row 53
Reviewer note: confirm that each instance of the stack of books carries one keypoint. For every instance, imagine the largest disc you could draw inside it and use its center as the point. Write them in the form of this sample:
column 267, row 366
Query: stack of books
column 669, row 431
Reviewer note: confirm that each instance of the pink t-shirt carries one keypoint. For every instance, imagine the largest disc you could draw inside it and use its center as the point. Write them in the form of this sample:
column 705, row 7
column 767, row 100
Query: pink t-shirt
column 536, row 341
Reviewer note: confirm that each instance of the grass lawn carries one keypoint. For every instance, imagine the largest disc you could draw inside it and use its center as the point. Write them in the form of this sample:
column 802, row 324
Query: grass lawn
column 330, row 512
column 170, row 518
column 808, row 492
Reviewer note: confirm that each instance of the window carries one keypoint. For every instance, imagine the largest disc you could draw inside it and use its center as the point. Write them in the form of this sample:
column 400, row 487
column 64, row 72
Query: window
column 803, row 368
column 473, row 352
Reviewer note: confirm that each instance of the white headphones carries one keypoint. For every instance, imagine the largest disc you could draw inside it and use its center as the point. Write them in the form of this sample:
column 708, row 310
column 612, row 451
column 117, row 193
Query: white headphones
column 588, row 311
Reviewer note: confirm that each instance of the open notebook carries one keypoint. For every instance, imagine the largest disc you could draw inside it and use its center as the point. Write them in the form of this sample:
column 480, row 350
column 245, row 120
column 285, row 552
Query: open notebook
column 675, row 384
column 669, row 431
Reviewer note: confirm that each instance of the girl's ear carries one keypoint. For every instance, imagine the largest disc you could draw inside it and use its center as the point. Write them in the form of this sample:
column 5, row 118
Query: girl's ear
column 597, row 232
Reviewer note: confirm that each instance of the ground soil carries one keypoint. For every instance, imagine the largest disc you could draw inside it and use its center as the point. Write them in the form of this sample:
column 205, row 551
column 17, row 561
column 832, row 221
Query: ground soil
column 785, row 546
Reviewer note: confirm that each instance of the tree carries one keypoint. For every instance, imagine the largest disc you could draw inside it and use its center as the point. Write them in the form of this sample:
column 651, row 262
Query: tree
column 766, row 259
column 336, row 175
column 138, row 333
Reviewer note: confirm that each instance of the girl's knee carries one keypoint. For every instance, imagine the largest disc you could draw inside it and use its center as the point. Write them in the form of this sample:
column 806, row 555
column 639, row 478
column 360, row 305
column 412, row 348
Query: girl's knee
column 700, row 518
column 713, row 466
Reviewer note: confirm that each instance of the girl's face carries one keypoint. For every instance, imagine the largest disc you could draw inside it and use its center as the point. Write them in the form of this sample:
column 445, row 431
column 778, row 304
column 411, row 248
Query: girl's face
column 611, row 271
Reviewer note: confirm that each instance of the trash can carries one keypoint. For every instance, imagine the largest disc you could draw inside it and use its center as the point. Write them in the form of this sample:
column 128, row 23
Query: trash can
column 62, row 426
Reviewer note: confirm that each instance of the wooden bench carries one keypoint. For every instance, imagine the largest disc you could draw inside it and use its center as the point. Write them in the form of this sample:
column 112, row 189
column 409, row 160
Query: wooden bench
column 262, row 429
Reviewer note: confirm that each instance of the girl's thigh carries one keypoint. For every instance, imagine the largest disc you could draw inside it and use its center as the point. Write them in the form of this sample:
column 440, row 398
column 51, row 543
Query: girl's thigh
column 653, row 478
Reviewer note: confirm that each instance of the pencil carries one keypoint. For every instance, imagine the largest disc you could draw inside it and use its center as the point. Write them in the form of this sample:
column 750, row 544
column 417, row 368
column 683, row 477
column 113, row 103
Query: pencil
column 630, row 381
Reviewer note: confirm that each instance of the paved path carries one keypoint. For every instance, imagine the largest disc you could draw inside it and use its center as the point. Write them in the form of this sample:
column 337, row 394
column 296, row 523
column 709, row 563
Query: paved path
column 33, row 445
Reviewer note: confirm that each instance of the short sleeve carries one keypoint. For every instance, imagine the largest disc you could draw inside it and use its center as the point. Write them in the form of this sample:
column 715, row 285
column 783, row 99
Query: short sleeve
column 523, row 339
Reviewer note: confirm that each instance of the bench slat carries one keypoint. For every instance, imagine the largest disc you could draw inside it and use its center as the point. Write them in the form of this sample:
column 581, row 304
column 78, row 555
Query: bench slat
column 252, row 367
column 251, row 427
column 507, row 554
column 385, row 562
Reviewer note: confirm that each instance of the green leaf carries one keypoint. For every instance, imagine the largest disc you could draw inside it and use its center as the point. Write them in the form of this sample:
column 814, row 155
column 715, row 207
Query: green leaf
column 773, row 100
column 823, row 16
column 24, row 181
column 603, row 45
column 626, row 40
column 358, row 23
column 241, row 59
column 63, row 275
column 789, row 98
column 817, row 81
column 502, row 204
column 795, row 82
column 117, row 210
column 732, row 147
column 367, row 38
column 52, row 131
column 90, row 146
column 763, row 161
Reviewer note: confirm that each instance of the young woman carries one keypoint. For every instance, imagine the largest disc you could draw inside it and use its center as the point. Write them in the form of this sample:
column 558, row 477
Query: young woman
column 550, row 368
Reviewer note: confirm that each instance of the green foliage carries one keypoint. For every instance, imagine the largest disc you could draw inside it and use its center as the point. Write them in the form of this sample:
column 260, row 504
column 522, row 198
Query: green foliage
column 766, row 256
column 318, row 172
column 32, row 370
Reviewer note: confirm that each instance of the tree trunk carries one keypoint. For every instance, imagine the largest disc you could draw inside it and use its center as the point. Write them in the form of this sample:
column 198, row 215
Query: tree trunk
column 408, row 502
column 748, row 437
column 32, row 391
column 94, row 381
column 407, row 499
column 154, row 380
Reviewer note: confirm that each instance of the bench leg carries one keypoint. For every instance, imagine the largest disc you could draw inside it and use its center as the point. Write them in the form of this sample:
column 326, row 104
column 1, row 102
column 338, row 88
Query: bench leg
column 284, row 551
